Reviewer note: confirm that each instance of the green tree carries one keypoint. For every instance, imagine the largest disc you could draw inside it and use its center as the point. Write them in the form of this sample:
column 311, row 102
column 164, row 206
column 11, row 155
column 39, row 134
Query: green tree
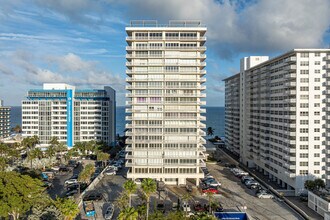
column 17, row 129
column 310, row 185
column 130, row 187
column 319, row 184
column 128, row 213
column 86, row 173
column 38, row 153
column 103, row 157
column 51, row 151
column 186, row 198
column 203, row 216
column 67, row 207
column 210, row 131
column 210, row 197
column 49, row 212
column 3, row 164
column 122, row 201
column 148, row 187
column 18, row 193
column 142, row 210
column 175, row 215
column 158, row 215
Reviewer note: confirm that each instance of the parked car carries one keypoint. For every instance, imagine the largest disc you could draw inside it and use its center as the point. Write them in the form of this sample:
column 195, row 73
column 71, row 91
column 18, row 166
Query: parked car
column 264, row 195
column 161, row 207
column 303, row 197
column 71, row 192
column 175, row 206
column 110, row 172
column 72, row 186
column 74, row 176
column 112, row 167
column 189, row 188
column 47, row 184
column 185, row 207
column 199, row 208
column 93, row 196
column 248, row 178
column 109, row 212
column 252, row 184
column 210, row 190
column 212, row 182
column 70, row 181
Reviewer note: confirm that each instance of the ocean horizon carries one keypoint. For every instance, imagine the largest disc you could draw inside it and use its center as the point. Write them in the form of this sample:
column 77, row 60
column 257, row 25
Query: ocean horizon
column 215, row 118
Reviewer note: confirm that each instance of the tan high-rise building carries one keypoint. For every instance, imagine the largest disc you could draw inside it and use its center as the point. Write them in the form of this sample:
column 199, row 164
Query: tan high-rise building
column 165, row 68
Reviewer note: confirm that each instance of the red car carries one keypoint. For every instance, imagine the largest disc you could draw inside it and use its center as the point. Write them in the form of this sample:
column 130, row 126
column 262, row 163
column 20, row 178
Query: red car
column 210, row 190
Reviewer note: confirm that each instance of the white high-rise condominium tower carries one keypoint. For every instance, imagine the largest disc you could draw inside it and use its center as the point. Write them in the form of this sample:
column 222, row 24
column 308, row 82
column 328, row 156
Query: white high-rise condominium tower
column 278, row 116
column 165, row 68
column 4, row 120
column 72, row 115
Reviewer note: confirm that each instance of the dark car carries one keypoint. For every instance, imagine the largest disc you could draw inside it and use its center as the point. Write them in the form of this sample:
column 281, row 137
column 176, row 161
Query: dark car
column 73, row 163
column 161, row 207
column 64, row 169
column 94, row 196
column 303, row 197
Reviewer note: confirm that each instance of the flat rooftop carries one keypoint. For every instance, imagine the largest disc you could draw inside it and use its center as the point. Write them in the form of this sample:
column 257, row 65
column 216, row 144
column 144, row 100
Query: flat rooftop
column 171, row 23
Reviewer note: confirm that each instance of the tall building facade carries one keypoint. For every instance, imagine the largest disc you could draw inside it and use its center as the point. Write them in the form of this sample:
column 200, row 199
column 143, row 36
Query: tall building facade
column 72, row 115
column 4, row 120
column 284, row 111
column 165, row 68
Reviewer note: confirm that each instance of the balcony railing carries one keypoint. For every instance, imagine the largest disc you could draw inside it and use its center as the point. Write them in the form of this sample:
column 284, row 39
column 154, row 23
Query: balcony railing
column 131, row 38
column 202, row 48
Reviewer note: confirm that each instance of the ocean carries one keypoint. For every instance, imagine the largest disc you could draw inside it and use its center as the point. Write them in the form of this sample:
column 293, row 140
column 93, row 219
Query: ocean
column 215, row 118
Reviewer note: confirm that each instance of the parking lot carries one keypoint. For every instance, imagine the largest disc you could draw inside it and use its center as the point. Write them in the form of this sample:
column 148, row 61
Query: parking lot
column 235, row 195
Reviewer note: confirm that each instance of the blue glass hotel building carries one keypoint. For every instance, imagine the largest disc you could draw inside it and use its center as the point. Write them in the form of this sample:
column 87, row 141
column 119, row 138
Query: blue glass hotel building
column 72, row 115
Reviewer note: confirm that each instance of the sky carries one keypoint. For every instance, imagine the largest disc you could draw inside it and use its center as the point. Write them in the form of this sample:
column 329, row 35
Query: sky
column 82, row 42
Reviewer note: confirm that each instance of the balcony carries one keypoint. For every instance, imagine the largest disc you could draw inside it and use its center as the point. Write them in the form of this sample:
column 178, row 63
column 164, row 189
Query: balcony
column 200, row 48
column 291, row 59
column 128, row 125
column 327, row 66
column 290, row 174
column 290, row 68
column 327, row 57
column 135, row 38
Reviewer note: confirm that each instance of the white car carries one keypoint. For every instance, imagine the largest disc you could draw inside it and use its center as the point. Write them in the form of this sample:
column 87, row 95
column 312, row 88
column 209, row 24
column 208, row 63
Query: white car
column 264, row 195
column 185, row 207
column 113, row 167
column 70, row 181
column 109, row 212
column 109, row 172
column 213, row 183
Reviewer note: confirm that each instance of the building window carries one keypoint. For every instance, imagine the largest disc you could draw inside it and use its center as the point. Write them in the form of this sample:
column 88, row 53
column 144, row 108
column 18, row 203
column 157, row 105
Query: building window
column 317, row 104
column 316, row 138
column 304, row 122
column 303, row 113
column 317, row 96
column 317, row 71
column 303, row 147
column 303, row 130
column 303, row 138
column 303, row 105
column 316, row 155
column 304, row 88
column 304, row 55
column 317, row 80
column 316, row 88
column 304, row 63
column 317, row 54
column 316, row 146
column 303, row 172
column 303, row 164
column 316, row 171
column 316, row 113
column 316, row 130
column 304, row 80
column 304, row 72
column 316, row 163
column 317, row 63
column 305, row 97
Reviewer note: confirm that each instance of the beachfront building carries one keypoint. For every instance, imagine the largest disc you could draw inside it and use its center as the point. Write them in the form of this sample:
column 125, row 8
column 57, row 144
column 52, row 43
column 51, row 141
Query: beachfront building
column 165, row 68
column 4, row 120
column 72, row 115
column 284, row 118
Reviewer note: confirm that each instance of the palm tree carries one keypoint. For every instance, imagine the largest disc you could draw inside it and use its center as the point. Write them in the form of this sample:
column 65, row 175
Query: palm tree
column 50, row 151
column 210, row 131
column 31, row 156
column 210, row 197
column 142, row 210
column 67, row 207
column 103, row 157
column 122, row 201
column 128, row 213
column 148, row 187
column 38, row 153
column 186, row 198
column 130, row 187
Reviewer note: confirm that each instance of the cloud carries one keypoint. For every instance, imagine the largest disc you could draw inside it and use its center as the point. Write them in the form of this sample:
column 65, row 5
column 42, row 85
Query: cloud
column 5, row 70
column 242, row 26
column 79, row 11
column 69, row 68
